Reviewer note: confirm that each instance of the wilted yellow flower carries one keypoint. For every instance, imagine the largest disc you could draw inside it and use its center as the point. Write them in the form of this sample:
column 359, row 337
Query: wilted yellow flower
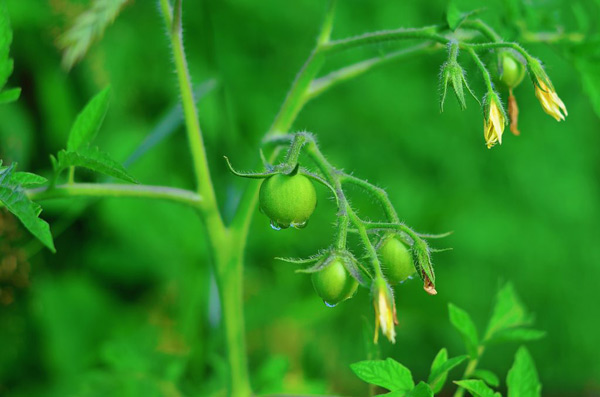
column 385, row 310
column 550, row 102
column 493, row 124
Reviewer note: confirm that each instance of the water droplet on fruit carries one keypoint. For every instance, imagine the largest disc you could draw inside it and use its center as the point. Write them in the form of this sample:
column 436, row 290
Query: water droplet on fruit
column 275, row 226
column 300, row 225
column 329, row 304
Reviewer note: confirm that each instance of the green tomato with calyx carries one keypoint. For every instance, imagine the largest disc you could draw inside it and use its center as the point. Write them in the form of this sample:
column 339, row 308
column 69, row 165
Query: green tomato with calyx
column 512, row 71
column 333, row 283
column 288, row 200
column 396, row 260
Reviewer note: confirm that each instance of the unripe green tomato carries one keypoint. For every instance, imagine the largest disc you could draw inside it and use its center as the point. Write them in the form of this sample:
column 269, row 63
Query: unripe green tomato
column 287, row 200
column 512, row 70
column 396, row 260
column 333, row 283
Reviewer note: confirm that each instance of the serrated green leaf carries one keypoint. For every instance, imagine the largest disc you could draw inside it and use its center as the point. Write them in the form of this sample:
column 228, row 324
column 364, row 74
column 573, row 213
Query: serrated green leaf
column 421, row 390
column 16, row 201
column 517, row 335
column 440, row 368
column 508, row 312
column 27, row 179
column 389, row 374
column 487, row 376
column 476, row 387
column 11, row 95
column 463, row 323
column 522, row 379
column 92, row 159
column 88, row 121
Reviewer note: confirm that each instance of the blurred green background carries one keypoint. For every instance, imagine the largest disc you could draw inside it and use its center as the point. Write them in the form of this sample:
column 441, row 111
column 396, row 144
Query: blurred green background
column 128, row 306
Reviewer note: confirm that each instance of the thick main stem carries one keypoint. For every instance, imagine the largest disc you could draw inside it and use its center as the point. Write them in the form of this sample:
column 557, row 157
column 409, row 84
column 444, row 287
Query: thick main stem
column 229, row 275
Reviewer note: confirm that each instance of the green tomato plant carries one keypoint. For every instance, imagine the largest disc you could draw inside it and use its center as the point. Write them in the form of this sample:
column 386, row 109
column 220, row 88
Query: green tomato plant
column 292, row 163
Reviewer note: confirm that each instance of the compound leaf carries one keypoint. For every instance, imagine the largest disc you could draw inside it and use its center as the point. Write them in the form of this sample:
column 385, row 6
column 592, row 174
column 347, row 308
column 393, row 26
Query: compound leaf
column 13, row 196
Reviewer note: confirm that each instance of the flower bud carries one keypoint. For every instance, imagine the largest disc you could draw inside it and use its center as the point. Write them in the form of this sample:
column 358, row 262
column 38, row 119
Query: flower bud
column 494, row 119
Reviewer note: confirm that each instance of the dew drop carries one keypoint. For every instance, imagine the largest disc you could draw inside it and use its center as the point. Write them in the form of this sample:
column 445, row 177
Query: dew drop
column 410, row 277
column 300, row 225
column 329, row 304
column 275, row 226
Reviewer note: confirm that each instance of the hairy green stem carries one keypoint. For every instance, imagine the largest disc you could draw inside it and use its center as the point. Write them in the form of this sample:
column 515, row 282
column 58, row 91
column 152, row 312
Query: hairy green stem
column 322, row 84
column 483, row 28
column 97, row 190
column 379, row 193
column 488, row 46
column 425, row 33
column 484, row 72
column 227, row 262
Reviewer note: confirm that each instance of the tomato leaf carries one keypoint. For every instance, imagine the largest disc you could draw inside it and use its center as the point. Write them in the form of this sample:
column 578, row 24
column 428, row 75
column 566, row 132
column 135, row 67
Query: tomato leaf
column 522, row 379
column 389, row 374
column 487, row 376
column 421, row 390
column 476, row 387
column 463, row 323
column 440, row 368
column 11, row 95
column 88, row 121
column 27, row 179
column 92, row 159
column 508, row 313
column 12, row 195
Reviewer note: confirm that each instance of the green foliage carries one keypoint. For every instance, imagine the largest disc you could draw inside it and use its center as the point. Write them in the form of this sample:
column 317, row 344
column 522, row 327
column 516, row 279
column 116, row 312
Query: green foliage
column 388, row 373
column 129, row 307
column 440, row 368
column 509, row 319
column 522, row 379
column 6, row 63
column 14, row 198
column 487, row 376
column 93, row 159
column 88, row 121
column 461, row 320
column 477, row 388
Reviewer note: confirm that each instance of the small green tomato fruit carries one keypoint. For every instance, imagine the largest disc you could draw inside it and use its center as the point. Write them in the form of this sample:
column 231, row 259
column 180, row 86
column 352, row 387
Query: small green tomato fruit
column 512, row 71
column 396, row 260
column 287, row 200
column 333, row 283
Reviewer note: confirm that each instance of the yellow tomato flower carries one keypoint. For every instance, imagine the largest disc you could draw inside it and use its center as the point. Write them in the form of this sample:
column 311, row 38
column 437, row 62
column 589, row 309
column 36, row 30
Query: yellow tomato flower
column 493, row 124
column 550, row 102
column 385, row 310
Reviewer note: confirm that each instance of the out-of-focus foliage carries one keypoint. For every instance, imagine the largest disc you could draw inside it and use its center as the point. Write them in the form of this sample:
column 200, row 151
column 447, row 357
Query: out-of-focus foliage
column 127, row 306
